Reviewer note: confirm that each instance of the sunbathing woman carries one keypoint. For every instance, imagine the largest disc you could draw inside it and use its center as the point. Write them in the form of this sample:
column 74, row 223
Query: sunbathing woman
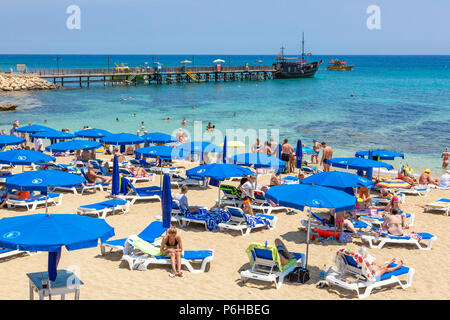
column 394, row 223
column 283, row 252
column 139, row 172
column 393, row 204
column 341, row 222
column 171, row 246
column 379, row 270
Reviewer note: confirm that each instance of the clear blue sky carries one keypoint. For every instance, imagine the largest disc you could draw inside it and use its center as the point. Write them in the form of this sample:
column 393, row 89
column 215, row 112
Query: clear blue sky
column 224, row 26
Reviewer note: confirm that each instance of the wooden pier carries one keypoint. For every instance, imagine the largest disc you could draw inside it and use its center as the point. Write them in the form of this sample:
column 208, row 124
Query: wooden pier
column 134, row 76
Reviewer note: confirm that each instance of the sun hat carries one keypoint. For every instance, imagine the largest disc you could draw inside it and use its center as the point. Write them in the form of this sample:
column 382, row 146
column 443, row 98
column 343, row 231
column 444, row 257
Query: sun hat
column 427, row 171
column 395, row 199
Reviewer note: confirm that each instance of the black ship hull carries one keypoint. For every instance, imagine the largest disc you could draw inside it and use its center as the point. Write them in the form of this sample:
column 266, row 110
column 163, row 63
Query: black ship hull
column 289, row 71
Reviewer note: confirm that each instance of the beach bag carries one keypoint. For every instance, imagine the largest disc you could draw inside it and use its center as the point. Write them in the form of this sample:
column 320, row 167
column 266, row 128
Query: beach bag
column 345, row 237
column 299, row 275
column 24, row 195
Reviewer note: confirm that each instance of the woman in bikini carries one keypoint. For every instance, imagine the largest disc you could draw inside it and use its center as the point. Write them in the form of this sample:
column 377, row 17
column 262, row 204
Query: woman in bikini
column 283, row 252
column 171, row 246
column 379, row 270
column 445, row 158
column 394, row 223
column 341, row 222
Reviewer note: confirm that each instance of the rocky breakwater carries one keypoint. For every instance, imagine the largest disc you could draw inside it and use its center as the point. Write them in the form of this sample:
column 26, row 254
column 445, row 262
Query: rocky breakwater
column 18, row 82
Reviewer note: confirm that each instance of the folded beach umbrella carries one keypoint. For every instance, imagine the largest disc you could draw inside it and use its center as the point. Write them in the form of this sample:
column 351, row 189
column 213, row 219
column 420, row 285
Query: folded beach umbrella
column 24, row 157
column 53, row 134
column 92, row 133
column 299, row 196
column 166, row 201
column 7, row 140
column 115, row 183
column 118, row 139
column 379, row 154
column 224, row 153
column 299, row 154
column 279, row 151
column 258, row 160
column 34, row 128
column 73, row 145
column 158, row 137
column 338, row 180
column 42, row 232
column 163, row 152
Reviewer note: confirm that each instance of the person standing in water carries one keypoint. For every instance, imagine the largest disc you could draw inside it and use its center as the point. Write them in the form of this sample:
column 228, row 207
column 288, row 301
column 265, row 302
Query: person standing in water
column 445, row 158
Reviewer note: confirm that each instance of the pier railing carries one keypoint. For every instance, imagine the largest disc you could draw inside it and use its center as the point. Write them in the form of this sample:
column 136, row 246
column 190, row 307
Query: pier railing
column 138, row 70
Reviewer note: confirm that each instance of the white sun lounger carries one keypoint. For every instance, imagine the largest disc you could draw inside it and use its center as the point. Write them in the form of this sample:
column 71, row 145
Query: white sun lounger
column 353, row 274
column 442, row 204
column 78, row 189
column 421, row 191
column 179, row 181
column 133, row 178
column 34, row 201
column 267, row 207
column 4, row 253
column 387, row 238
column 140, row 254
column 238, row 222
column 265, row 266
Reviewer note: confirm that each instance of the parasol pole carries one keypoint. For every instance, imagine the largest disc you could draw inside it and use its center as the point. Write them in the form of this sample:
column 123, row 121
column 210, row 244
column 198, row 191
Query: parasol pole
column 308, row 210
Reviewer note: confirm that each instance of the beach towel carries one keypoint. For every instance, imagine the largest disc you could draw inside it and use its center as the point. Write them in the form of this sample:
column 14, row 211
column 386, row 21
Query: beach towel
column 275, row 255
column 212, row 219
column 252, row 221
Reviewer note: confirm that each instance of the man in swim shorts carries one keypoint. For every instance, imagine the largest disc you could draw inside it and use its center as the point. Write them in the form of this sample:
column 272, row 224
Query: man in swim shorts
column 445, row 158
column 316, row 148
column 327, row 153
column 286, row 151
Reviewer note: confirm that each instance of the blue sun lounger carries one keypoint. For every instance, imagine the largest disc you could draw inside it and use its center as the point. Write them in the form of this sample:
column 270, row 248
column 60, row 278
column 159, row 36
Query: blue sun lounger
column 384, row 238
column 150, row 234
column 101, row 209
column 360, row 276
column 140, row 254
column 146, row 193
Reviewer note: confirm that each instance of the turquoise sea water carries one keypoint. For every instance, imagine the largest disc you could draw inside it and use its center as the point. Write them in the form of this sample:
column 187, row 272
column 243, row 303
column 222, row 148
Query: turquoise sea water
column 400, row 103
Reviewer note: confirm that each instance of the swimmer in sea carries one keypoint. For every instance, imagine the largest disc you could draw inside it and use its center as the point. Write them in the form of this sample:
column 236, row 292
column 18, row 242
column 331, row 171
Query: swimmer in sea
column 445, row 158
column 183, row 123
column 193, row 107
column 234, row 114
column 134, row 114
column 117, row 119
column 168, row 119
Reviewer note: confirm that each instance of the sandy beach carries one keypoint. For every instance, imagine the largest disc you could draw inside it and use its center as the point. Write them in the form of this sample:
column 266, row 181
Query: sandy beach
column 108, row 277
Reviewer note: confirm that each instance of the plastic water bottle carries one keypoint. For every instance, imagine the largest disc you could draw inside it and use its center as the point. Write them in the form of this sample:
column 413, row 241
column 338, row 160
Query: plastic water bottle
column 322, row 272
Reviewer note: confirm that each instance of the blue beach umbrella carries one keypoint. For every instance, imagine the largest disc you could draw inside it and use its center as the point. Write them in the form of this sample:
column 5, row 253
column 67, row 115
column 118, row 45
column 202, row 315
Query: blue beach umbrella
column 73, row 145
column 219, row 172
column 40, row 180
column 34, row 128
column 224, row 153
column 158, row 137
column 338, row 180
column 42, row 232
column 299, row 154
column 24, row 157
column 358, row 164
column 7, row 140
column 92, row 133
column 163, row 152
column 118, row 139
column 299, row 196
column 199, row 147
column 166, row 201
column 258, row 160
column 380, row 154
column 53, row 134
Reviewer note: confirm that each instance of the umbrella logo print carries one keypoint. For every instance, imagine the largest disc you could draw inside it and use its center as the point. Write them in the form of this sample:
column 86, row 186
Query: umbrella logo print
column 22, row 158
column 11, row 235
column 37, row 181
column 316, row 202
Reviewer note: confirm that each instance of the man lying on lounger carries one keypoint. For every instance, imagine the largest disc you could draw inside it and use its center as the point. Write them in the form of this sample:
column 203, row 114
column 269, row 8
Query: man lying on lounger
column 22, row 195
column 182, row 199
column 92, row 177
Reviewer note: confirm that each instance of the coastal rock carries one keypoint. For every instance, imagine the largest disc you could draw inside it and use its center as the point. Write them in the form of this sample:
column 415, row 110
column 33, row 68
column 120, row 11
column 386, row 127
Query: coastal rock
column 7, row 107
column 17, row 82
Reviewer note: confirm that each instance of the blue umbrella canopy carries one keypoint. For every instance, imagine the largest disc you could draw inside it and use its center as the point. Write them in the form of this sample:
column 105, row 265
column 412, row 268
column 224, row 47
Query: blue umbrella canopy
column 6, row 140
column 24, row 157
column 219, row 171
column 92, row 133
column 299, row 154
column 34, row 128
column 279, row 151
column 53, row 134
column 73, row 145
column 158, row 137
column 258, row 160
column 42, row 232
column 381, row 154
column 357, row 163
column 119, row 139
column 306, row 150
column 338, row 180
column 166, row 201
column 199, row 146
column 163, row 152
column 299, row 196
column 40, row 180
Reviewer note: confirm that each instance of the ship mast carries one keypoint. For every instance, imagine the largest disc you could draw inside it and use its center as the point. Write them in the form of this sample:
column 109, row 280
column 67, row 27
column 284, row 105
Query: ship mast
column 303, row 46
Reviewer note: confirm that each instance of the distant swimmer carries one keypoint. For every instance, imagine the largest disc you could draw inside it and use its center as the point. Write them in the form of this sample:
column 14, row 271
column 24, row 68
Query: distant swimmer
column 45, row 121
column 168, row 119
column 193, row 107
column 234, row 114
column 142, row 123
column 117, row 119
column 183, row 123
column 445, row 158
column 134, row 114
